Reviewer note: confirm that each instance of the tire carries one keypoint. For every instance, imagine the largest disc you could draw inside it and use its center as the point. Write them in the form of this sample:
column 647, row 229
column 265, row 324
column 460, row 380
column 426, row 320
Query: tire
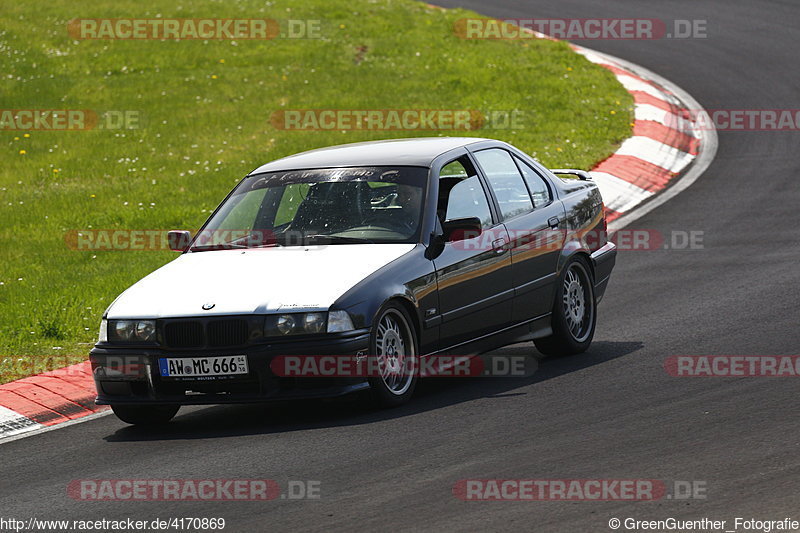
column 393, row 337
column 145, row 415
column 574, row 312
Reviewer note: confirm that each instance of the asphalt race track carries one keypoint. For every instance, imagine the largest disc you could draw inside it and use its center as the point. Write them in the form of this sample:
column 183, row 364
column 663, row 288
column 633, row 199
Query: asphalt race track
column 613, row 413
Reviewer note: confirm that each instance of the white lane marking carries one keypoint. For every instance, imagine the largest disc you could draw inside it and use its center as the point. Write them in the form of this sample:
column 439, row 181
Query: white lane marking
column 707, row 147
column 44, row 429
column 619, row 195
column 594, row 58
column 629, row 81
column 633, row 84
column 655, row 152
column 656, row 114
column 13, row 423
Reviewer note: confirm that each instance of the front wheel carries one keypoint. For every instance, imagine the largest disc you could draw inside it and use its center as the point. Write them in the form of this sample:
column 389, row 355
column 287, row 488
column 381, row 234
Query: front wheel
column 145, row 415
column 393, row 342
column 574, row 312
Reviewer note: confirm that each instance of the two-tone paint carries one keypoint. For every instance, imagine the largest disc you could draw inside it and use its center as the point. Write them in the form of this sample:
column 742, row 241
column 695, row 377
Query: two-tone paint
column 462, row 299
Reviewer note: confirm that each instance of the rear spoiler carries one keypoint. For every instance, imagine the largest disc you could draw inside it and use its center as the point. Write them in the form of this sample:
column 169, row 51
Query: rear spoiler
column 582, row 174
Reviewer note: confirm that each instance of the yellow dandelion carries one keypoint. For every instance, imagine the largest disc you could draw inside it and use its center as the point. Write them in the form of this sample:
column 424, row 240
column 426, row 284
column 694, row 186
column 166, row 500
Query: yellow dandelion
column 16, row 138
column 27, row 135
column 92, row 196
column 558, row 149
column 569, row 69
column 55, row 171
column 22, row 152
column 213, row 76
column 341, row 26
column 613, row 112
column 221, row 60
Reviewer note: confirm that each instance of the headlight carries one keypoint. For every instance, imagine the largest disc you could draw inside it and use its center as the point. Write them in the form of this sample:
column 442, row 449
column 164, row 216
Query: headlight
column 339, row 321
column 295, row 324
column 286, row 324
column 123, row 329
column 146, row 330
column 131, row 330
column 314, row 322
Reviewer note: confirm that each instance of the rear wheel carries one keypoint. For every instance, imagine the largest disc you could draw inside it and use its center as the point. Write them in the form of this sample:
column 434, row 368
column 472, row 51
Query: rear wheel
column 574, row 312
column 145, row 415
column 393, row 342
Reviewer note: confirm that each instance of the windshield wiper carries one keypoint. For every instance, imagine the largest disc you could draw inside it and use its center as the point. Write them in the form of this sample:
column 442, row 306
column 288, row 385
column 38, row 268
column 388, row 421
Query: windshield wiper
column 236, row 243
column 339, row 239
column 221, row 246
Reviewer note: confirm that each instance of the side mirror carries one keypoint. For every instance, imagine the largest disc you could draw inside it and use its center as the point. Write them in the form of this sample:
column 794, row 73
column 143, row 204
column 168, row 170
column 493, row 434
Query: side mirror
column 459, row 229
column 179, row 240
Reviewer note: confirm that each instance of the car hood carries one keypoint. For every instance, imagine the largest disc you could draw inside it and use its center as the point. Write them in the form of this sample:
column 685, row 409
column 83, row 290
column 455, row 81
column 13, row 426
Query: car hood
column 258, row 280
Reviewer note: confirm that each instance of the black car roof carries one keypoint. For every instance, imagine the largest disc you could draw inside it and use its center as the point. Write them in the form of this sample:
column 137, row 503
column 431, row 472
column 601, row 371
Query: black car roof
column 410, row 152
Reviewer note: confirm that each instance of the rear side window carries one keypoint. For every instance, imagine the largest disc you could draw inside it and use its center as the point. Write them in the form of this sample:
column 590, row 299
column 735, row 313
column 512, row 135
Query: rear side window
column 506, row 182
column 461, row 194
column 536, row 184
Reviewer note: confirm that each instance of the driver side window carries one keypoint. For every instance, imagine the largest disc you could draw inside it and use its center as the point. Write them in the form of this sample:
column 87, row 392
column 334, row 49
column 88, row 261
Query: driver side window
column 293, row 196
column 461, row 194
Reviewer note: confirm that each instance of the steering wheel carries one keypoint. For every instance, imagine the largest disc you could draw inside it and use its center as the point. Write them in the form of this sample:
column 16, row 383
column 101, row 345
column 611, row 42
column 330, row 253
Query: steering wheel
column 387, row 222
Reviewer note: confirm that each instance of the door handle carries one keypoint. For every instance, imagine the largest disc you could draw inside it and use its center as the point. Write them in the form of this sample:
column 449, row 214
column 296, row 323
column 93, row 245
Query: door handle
column 499, row 246
column 553, row 222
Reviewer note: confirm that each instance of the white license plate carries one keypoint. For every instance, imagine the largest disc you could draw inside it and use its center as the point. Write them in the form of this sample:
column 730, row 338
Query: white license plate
column 191, row 367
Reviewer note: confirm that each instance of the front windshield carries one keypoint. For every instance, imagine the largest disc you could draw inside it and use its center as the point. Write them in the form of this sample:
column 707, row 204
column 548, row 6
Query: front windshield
column 321, row 206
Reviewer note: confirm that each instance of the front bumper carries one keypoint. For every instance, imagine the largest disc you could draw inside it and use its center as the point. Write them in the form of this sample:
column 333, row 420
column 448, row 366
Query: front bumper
column 603, row 261
column 146, row 386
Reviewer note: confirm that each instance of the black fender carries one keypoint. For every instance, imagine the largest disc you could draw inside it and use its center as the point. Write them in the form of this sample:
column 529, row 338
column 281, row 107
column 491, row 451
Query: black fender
column 409, row 279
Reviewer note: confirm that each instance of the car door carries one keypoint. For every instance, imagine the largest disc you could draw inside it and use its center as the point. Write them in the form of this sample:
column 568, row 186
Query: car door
column 473, row 275
column 532, row 217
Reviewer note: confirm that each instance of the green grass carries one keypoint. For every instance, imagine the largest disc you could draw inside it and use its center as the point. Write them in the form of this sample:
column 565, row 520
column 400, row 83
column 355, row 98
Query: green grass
column 206, row 108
